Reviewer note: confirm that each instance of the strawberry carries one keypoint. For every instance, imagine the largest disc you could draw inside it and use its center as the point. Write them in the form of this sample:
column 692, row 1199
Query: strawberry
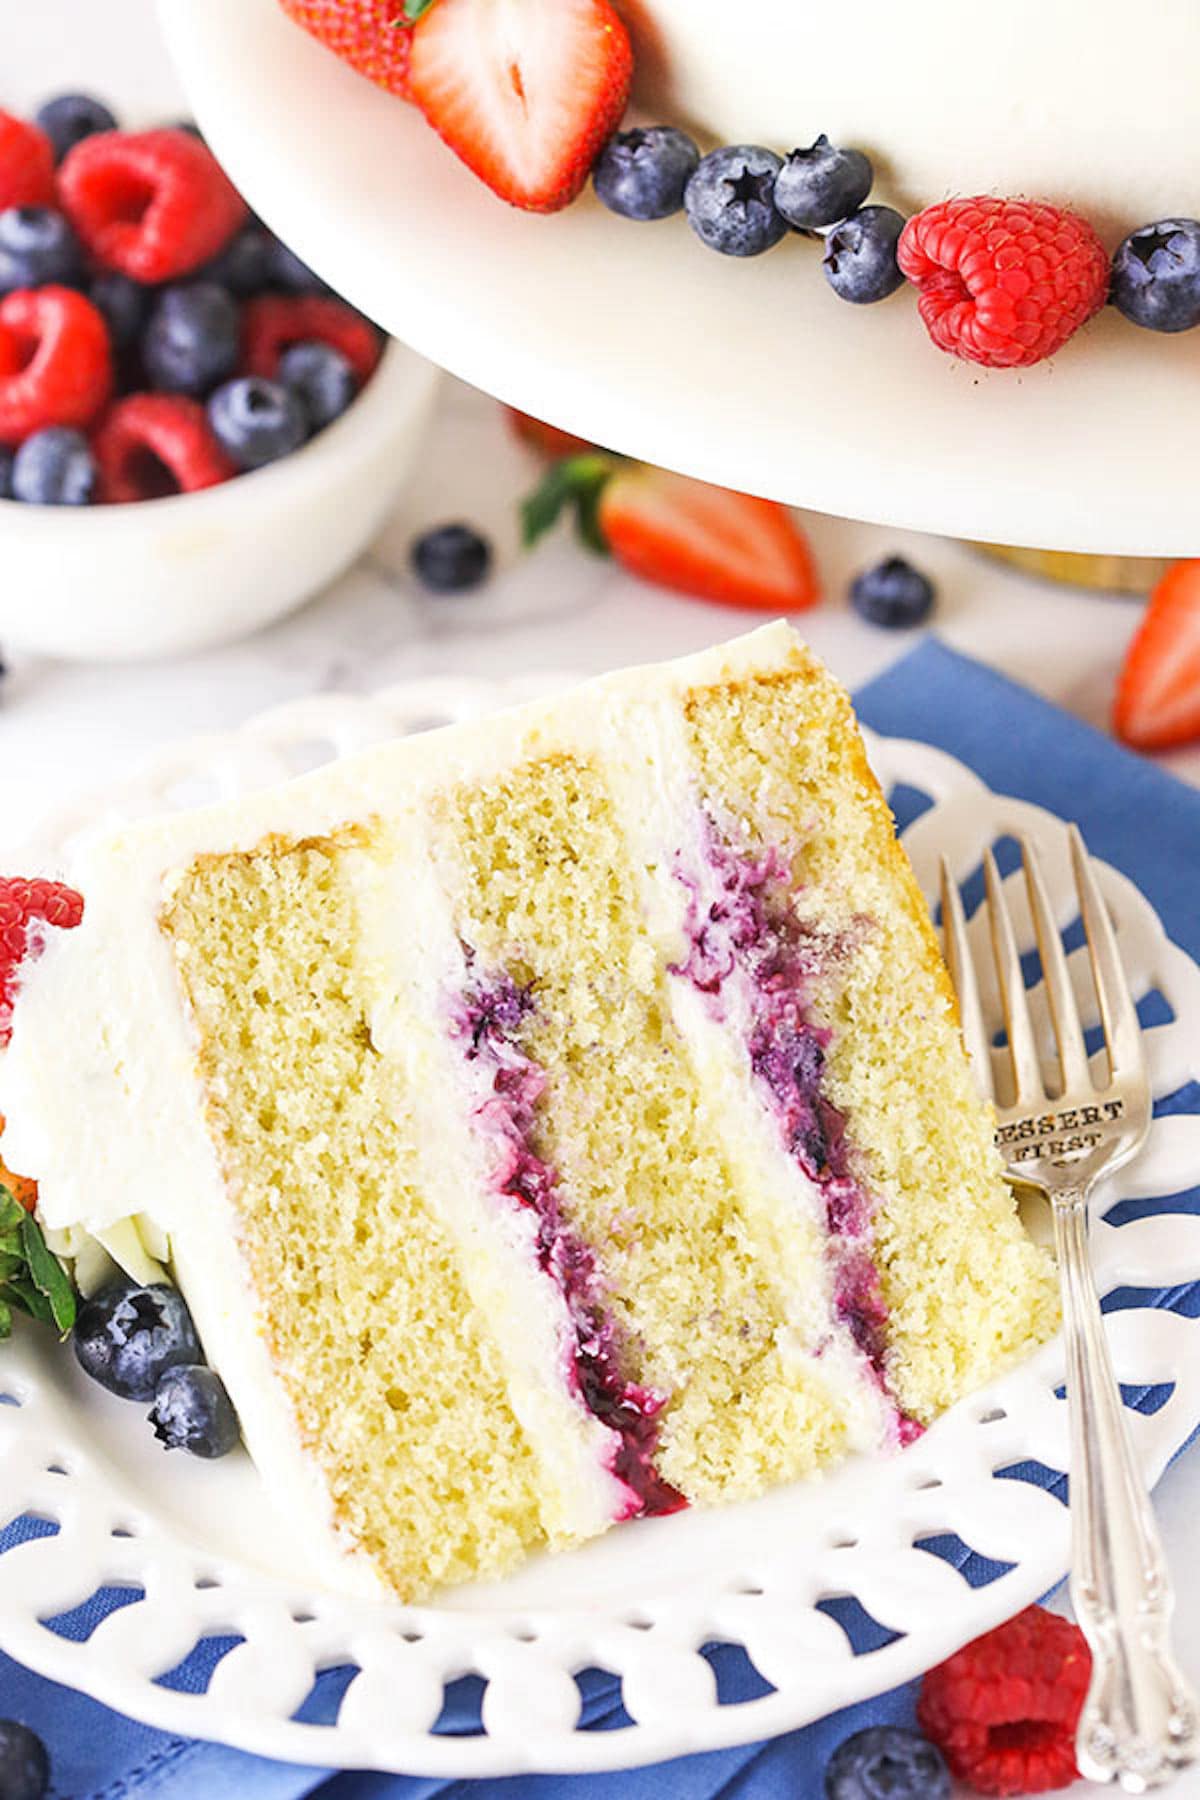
column 23, row 1191
column 547, row 440
column 1158, row 690
column 373, row 36
column 706, row 541
column 525, row 94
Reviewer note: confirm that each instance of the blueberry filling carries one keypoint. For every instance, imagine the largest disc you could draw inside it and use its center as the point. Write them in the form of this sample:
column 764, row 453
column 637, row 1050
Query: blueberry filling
column 487, row 1019
column 740, row 923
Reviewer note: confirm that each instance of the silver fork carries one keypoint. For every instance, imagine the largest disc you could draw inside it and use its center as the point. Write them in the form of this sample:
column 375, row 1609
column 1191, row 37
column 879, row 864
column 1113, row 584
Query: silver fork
column 1140, row 1720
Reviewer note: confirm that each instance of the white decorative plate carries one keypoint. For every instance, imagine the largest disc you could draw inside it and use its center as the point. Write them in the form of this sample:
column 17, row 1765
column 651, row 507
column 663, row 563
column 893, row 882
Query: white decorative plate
column 193, row 1552
column 749, row 374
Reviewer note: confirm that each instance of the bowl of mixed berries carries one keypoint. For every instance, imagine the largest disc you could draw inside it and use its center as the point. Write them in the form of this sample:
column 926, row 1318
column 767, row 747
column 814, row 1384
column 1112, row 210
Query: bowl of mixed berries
column 195, row 434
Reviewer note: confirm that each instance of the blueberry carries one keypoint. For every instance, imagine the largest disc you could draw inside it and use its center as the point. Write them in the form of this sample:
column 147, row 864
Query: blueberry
column 1156, row 275
column 451, row 559
column 288, row 272
column 257, row 421
column 822, row 184
column 54, row 467
column 642, row 174
column 192, row 1411
column 191, row 341
column 6, row 468
column 126, row 1336
column 886, row 1762
column 124, row 304
column 321, row 379
column 729, row 203
column 892, row 594
column 245, row 265
column 37, row 247
column 69, row 118
column 860, row 255
column 24, row 1765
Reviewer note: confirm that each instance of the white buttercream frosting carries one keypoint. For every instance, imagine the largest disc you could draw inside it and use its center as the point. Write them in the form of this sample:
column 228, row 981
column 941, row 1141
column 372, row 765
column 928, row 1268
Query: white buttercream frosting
column 1090, row 106
column 666, row 825
column 401, row 903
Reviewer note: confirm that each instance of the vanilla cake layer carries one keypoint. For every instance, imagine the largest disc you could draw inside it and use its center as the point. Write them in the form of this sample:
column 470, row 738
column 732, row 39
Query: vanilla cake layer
column 395, row 1377
column 1090, row 107
column 551, row 1120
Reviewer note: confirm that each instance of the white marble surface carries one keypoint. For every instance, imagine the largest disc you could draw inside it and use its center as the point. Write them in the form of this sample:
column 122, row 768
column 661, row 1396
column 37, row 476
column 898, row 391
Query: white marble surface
column 66, row 728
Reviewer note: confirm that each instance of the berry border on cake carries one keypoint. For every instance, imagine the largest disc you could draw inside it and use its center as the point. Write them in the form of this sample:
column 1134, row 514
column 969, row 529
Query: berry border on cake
column 1002, row 282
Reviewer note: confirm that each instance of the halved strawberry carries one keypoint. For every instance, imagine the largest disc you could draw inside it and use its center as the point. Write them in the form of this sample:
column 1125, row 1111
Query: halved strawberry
column 373, row 36
column 706, row 541
column 524, row 91
column 1158, row 690
column 547, row 440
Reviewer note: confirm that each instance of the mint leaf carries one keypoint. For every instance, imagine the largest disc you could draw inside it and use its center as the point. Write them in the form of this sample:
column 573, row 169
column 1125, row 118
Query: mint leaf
column 31, row 1276
column 11, row 1214
column 576, row 482
column 28, row 1298
column 48, row 1274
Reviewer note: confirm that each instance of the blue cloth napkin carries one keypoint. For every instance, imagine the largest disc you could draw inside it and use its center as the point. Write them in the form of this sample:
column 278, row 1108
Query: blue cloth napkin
column 1132, row 815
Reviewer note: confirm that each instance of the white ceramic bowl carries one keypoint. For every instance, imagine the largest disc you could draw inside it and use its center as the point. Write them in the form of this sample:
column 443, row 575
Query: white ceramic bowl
column 159, row 577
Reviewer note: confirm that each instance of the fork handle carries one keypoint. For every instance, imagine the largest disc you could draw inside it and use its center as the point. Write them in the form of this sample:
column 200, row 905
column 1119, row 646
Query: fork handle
column 1139, row 1722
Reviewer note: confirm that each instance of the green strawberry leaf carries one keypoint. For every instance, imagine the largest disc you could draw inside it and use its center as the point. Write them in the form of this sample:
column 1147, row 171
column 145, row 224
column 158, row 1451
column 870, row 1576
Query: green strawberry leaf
column 415, row 10
column 576, row 482
column 5, row 1317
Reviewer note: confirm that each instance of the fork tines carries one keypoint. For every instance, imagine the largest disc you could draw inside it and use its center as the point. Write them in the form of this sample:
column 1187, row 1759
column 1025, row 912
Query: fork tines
column 1122, row 1032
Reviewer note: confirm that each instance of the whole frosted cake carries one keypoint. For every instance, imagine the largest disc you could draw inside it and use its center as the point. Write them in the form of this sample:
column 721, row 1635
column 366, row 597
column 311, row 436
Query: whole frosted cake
column 549, row 1121
column 1087, row 106
column 1019, row 169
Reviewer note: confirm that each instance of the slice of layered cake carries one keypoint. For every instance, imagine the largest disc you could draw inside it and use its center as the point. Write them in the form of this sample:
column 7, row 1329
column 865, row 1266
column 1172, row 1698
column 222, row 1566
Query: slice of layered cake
column 552, row 1120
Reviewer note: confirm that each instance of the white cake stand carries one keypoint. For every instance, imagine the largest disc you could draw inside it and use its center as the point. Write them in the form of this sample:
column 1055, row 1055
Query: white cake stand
column 751, row 374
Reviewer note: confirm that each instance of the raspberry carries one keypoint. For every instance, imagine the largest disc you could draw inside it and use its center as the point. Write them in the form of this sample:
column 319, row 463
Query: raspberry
column 23, row 1191
column 25, row 907
column 152, row 445
column 274, row 322
column 153, row 204
column 1003, row 282
column 26, row 164
column 1003, row 1711
column 55, row 361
